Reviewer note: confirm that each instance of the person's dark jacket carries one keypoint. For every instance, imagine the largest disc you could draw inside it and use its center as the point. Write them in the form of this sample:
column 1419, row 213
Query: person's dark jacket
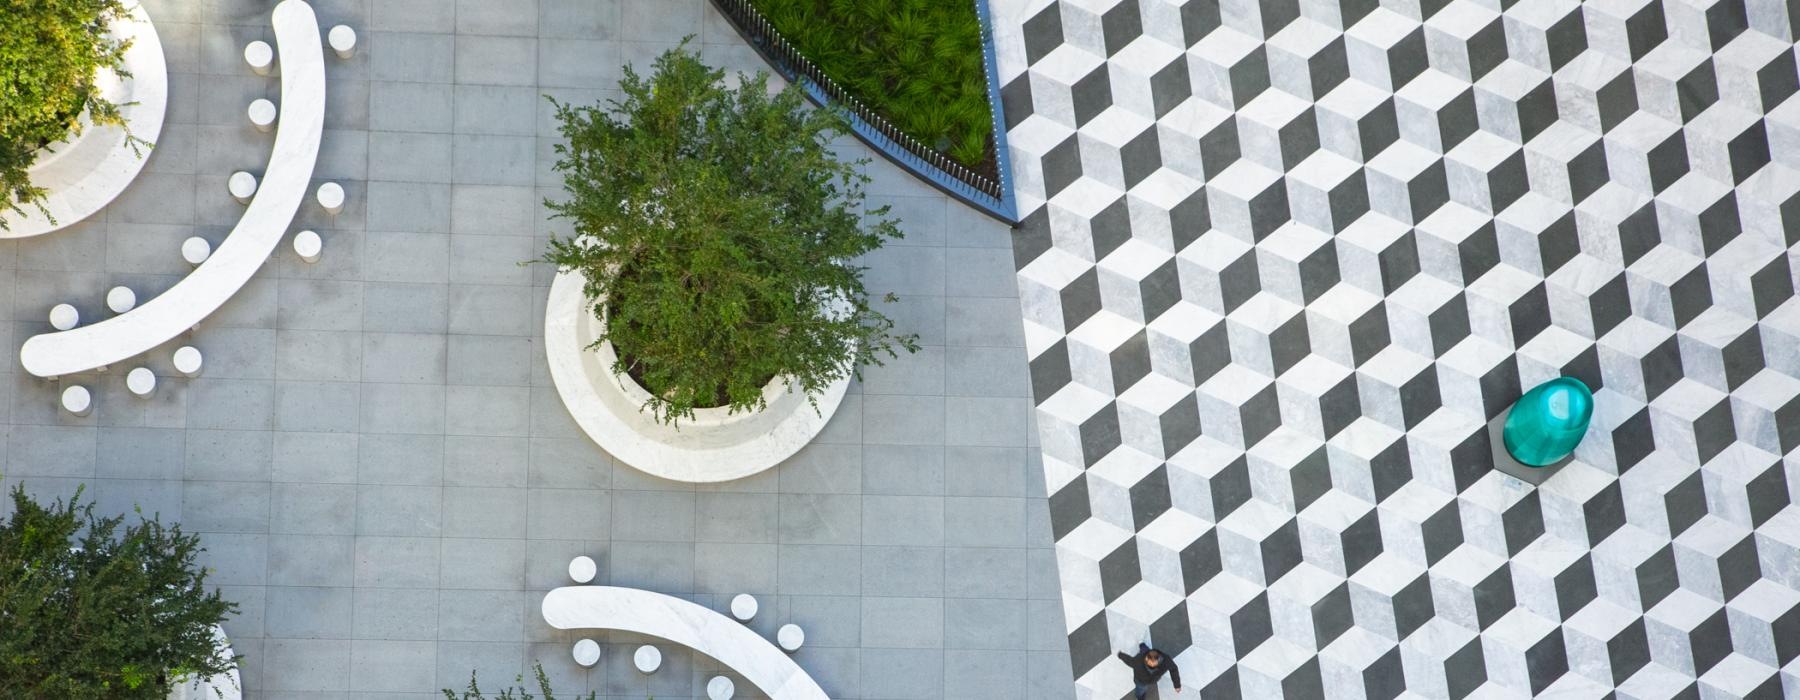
column 1142, row 673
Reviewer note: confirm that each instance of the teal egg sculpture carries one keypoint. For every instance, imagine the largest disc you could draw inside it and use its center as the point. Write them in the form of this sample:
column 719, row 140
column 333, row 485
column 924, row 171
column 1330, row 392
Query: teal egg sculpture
column 1548, row 422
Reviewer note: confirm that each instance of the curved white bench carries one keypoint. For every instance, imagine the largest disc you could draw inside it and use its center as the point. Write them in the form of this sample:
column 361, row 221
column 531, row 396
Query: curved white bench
column 256, row 235
column 685, row 623
column 84, row 175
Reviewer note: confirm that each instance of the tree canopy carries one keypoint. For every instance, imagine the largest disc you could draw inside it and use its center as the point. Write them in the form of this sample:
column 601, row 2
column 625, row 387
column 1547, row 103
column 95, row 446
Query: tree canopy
column 718, row 233
column 50, row 51
column 97, row 607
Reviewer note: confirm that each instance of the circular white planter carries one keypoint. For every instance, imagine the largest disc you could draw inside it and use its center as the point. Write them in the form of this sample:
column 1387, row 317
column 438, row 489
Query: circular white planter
column 225, row 686
column 82, row 175
column 715, row 445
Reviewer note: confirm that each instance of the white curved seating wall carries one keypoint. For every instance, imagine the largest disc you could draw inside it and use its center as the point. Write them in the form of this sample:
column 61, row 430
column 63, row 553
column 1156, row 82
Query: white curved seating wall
column 256, row 235
column 685, row 623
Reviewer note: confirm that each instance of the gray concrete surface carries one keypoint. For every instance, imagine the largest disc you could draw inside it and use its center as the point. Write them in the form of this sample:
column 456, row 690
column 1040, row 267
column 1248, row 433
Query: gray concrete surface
column 383, row 475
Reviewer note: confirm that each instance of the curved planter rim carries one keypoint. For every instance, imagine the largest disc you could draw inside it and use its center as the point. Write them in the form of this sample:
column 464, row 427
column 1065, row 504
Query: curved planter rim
column 225, row 686
column 714, row 446
column 83, row 174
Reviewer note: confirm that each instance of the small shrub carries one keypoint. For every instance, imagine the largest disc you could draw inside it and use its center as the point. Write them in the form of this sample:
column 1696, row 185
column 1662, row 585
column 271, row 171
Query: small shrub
column 124, row 613
column 473, row 692
column 49, row 53
column 717, row 232
column 918, row 62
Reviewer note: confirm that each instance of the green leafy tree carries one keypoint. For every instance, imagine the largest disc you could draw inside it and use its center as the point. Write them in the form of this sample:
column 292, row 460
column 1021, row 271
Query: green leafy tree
column 50, row 51
column 519, row 692
column 716, row 229
column 93, row 607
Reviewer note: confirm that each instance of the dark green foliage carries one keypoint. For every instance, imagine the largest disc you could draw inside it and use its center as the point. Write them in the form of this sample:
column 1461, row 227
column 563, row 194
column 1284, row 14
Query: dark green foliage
column 121, row 615
column 49, row 52
column 917, row 62
column 720, row 230
column 514, row 693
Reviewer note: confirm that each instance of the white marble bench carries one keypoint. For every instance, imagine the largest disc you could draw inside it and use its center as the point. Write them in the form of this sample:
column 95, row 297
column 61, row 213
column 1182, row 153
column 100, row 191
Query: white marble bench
column 728, row 641
column 284, row 186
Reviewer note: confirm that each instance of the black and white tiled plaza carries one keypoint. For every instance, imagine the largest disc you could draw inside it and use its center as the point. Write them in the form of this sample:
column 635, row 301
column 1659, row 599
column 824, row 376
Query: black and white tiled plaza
column 1283, row 262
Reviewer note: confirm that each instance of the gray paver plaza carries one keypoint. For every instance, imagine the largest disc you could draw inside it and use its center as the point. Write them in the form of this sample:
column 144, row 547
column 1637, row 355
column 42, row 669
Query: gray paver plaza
column 384, row 476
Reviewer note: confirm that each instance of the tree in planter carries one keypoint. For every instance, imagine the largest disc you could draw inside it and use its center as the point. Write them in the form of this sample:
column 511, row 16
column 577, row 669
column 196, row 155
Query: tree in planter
column 716, row 230
column 123, row 613
column 50, row 51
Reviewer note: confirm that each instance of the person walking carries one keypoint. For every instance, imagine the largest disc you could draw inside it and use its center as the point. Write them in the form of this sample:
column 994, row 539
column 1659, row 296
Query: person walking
column 1148, row 667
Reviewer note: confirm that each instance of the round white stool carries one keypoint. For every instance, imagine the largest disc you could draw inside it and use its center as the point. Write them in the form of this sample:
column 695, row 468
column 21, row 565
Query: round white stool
column 587, row 652
column 343, row 41
column 720, row 688
column 141, row 381
column 647, row 659
column 307, row 245
column 331, row 196
column 121, row 299
column 582, row 569
column 64, row 316
column 187, row 361
column 260, row 56
column 242, row 186
column 790, row 637
column 262, row 115
column 77, row 401
column 195, row 250
column 743, row 607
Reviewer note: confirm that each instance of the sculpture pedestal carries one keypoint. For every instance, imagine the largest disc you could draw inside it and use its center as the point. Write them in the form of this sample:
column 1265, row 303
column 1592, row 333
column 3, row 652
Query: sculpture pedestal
column 1504, row 462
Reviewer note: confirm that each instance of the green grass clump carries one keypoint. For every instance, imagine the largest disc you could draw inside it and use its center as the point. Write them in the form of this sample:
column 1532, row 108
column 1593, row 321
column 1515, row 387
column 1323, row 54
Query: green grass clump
column 917, row 62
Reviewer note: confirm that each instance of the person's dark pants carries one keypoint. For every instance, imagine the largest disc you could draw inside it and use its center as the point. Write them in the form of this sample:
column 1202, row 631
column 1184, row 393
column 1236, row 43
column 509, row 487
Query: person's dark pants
column 1144, row 688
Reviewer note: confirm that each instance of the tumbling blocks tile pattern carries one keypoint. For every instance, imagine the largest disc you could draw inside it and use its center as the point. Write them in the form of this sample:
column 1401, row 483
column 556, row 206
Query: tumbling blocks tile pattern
column 1282, row 264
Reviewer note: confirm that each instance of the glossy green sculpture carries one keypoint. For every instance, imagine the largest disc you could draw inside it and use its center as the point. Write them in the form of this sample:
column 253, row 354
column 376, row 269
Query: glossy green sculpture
column 1548, row 422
